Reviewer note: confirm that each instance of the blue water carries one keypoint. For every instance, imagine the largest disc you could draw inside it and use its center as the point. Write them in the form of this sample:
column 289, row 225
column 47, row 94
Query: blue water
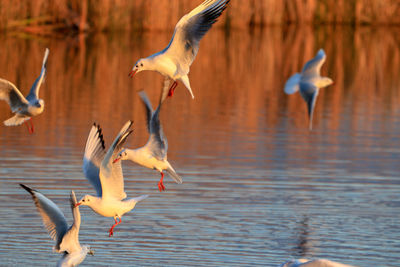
column 259, row 188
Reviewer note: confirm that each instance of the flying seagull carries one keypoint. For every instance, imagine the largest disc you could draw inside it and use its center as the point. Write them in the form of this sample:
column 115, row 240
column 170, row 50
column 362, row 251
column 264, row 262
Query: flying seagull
column 67, row 238
column 106, row 177
column 174, row 61
column 153, row 155
column 309, row 81
column 24, row 108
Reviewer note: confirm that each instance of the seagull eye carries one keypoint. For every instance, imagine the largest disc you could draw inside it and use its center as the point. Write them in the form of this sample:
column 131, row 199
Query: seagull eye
column 141, row 64
column 83, row 200
column 137, row 66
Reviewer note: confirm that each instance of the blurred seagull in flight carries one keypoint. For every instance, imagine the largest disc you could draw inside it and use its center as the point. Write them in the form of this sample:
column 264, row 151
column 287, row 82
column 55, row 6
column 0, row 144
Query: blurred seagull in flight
column 24, row 108
column 309, row 81
column 67, row 238
column 313, row 263
column 174, row 61
column 153, row 155
column 106, row 177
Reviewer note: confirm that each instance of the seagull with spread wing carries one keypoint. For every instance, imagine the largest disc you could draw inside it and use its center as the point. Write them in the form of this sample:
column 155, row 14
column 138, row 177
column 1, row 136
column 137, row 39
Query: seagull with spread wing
column 174, row 61
column 106, row 177
column 67, row 238
column 24, row 108
column 153, row 155
column 308, row 82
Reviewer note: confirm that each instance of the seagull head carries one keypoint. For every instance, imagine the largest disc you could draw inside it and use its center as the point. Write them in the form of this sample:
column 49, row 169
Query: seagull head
column 39, row 103
column 324, row 81
column 139, row 66
column 123, row 155
column 86, row 201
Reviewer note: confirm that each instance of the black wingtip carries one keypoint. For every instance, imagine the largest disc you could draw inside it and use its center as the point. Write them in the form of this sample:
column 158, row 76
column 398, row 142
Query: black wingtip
column 30, row 190
column 100, row 132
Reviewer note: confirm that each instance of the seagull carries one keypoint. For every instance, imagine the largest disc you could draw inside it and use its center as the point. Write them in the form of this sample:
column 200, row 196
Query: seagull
column 67, row 239
column 174, row 61
column 313, row 263
column 24, row 108
column 153, row 155
column 309, row 81
column 106, row 177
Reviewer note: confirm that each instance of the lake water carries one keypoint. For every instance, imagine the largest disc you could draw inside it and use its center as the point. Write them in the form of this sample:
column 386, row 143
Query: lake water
column 259, row 188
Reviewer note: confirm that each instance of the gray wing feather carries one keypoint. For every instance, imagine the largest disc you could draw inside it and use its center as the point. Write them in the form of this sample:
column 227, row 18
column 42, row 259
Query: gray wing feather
column 313, row 67
column 93, row 156
column 34, row 92
column 53, row 218
column 149, row 109
column 191, row 28
column 158, row 144
column 14, row 98
column 309, row 92
column 199, row 24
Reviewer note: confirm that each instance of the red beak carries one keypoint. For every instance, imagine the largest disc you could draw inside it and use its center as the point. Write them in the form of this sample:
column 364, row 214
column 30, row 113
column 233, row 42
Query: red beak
column 77, row 204
column 132, row 73
column 116, row 160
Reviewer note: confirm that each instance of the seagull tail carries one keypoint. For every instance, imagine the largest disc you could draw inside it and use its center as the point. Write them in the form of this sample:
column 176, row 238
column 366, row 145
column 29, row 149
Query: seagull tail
column 174, row 175
column 185, row 81
column 138, row 199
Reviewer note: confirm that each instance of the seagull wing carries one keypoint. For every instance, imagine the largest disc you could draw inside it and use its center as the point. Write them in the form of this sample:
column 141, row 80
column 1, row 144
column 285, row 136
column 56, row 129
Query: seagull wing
column 292, row 84
column 17, row 119
column 157, row 143
column 309, row 92
column 53, row 218
column 313, row 67
column 75, row 212
column 149, row 109
column 34, row 93
column 94, row 154
column 70, row 241
column 191, row 28
column 12, row 96
column 165, row 89
column 111, row 176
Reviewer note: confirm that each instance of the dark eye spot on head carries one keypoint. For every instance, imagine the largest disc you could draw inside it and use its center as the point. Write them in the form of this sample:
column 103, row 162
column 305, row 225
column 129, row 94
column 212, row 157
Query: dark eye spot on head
column 137, row 66
column 141, row 64
column 83, row 200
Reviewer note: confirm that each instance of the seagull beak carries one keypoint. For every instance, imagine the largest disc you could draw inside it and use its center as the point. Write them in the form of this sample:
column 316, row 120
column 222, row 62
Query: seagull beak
column 132, row 73
column 77, row 204
column 116, row 160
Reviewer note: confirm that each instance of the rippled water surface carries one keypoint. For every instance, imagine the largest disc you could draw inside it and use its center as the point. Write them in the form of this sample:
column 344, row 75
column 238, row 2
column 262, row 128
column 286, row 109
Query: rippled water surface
column 258, row 189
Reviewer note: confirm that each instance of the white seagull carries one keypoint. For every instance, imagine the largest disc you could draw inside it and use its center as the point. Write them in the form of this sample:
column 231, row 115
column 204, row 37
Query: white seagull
column 309, row 81
column 313, row 263
column 174, row 61
column 67, row 238
column 24, row 108
column 153, row 155
column 106, row 177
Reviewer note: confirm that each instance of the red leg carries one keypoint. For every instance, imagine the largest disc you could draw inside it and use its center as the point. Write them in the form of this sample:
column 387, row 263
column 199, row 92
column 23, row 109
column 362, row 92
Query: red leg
column 32, row 128
column 172, row 89
column 111, row 231
column 161, row 186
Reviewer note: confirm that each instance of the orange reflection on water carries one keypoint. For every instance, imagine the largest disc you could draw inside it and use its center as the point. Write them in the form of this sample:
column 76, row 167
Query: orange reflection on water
column 237, row 79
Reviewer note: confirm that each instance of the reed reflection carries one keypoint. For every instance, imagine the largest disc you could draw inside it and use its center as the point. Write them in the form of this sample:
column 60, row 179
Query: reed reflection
column 238, row 78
